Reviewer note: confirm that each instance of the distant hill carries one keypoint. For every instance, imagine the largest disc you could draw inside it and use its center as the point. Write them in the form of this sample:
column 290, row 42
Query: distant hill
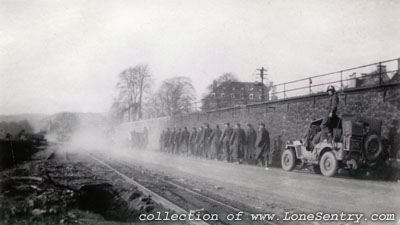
column 34, row 119
column 62, row 125
column 60, row 122
column 71, row 120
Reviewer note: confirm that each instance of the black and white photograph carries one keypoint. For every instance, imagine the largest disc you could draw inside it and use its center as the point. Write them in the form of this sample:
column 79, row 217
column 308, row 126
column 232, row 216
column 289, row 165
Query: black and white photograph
column 199, row 112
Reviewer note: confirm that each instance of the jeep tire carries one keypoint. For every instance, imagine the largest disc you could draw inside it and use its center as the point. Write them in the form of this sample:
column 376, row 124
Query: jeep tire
column 328, row 164
column 372, row 148
column 288, row 160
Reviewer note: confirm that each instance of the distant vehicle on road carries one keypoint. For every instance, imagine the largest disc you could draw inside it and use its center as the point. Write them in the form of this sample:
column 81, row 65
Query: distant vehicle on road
column 355, row 143
column 37, row 139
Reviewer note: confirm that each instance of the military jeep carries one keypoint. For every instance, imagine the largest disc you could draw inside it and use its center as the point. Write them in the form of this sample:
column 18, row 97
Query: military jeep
column 354, row 142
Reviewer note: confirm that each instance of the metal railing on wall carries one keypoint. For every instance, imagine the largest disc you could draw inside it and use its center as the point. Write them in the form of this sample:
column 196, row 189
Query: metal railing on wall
column 357, row 77
column 362, row 76
column 368, row 75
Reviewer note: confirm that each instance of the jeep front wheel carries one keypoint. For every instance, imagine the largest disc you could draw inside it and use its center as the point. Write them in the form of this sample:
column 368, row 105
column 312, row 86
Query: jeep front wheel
column 288, row 160
column 328, row 164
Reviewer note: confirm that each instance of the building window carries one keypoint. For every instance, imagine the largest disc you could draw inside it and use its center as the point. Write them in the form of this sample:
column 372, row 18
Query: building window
column 232, row 96
column 222, row 95
column 251, row 88
column 260, row 97
column 233, row 88
column 213, row 95
column 241, row 95
column 242, row 89
column 251, row 96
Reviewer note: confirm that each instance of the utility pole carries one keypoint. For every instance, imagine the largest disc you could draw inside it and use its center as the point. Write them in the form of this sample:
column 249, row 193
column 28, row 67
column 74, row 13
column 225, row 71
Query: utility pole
column 262, row 70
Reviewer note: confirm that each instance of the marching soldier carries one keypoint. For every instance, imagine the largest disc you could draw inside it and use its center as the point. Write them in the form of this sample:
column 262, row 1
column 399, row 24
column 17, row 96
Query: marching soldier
column 192, row 141
column 172, row 141
column 185, row 141
column 166, row 139
column 214, row 143
column 177, row 141
column 204, row 140
column 132, row 139
column 262, row 145
column 251, row 136
column 237, row 142
column 225, row 138
column 198, row 139
column 135, row 140
column 161, row 140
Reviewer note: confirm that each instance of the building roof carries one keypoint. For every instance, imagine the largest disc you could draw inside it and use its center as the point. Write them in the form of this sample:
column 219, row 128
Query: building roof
column 238, row 84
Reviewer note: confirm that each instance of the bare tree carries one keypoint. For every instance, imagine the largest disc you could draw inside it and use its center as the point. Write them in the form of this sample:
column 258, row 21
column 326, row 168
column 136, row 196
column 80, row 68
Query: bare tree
column 133, row 83
column 175, row 96
column 227, row 77
column 117, row 111
column 153, row 106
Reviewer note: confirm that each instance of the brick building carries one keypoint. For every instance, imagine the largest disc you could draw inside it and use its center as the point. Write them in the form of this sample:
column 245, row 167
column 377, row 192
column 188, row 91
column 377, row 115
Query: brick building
column 234, row 93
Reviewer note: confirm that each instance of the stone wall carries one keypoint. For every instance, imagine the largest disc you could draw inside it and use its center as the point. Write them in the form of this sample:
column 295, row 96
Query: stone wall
column 289, row 118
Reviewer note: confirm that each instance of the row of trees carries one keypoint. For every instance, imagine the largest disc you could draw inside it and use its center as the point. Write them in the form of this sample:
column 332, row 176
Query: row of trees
column 137, row 97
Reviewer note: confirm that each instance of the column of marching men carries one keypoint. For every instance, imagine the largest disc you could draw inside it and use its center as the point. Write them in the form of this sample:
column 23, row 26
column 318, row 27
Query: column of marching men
column 232, row 144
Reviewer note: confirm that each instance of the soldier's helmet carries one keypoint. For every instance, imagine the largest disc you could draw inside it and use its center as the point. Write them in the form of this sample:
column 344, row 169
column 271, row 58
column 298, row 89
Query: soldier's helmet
column 331, row 88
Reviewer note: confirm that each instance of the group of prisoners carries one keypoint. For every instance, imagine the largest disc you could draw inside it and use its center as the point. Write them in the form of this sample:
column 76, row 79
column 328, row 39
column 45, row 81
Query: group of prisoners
column 232, row 144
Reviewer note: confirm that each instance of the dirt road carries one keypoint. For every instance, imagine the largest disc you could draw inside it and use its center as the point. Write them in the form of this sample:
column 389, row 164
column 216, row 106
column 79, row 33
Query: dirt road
column 273, row 190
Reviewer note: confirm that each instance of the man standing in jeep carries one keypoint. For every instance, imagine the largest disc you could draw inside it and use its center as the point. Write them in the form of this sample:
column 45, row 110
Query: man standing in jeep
column 331, row 118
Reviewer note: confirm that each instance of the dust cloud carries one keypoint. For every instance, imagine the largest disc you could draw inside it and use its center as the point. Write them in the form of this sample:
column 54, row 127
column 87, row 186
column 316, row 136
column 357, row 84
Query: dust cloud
column 107, row 139
column 90, row 138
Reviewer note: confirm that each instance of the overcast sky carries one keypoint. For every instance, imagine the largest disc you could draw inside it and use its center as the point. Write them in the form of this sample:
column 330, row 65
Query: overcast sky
column 66, row 55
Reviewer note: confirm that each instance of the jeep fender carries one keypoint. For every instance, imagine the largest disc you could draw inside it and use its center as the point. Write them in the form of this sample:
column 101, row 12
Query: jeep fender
column 325, row 147
column 293, row 147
